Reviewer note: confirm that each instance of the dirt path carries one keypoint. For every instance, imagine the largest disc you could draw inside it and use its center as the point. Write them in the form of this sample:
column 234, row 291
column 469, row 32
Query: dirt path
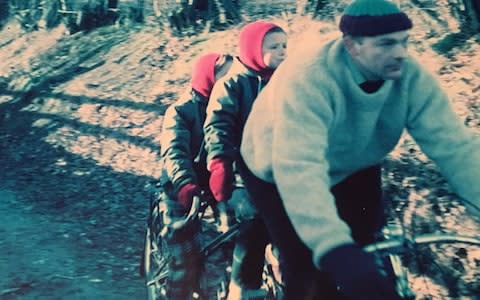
column 41, row 259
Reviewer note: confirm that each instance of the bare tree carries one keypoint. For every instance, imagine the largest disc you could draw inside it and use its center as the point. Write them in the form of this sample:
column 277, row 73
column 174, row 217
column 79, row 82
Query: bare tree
column 465, row 12
column 51, row 16
column 4, row 12
column 85, row 15
column 193, row 15
column 472, row 15
column 322, row 9
column 27, row 12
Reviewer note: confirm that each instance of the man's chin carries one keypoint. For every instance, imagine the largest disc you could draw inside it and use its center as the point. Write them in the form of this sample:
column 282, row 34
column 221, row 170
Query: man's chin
column 393, row 72
column 393, row 75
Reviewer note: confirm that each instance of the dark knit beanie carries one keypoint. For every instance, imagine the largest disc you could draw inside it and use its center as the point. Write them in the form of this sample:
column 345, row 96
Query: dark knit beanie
column 373, row 17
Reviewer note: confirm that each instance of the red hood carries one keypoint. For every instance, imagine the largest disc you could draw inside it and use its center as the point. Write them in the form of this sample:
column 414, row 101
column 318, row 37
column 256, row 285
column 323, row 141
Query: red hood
column 203, row 74
column 250, row 44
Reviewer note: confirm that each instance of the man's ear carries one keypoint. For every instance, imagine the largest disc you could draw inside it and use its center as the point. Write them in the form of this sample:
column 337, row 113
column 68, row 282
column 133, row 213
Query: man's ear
column 349, row 43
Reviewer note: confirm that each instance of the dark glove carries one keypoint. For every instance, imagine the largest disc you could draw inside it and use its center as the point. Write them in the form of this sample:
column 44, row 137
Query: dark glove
column 242, row 205
column 357, row 275
column 186, row 193
column 221, row 179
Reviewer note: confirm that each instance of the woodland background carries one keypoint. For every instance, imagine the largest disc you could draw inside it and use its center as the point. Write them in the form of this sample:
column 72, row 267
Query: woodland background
column 83, row 89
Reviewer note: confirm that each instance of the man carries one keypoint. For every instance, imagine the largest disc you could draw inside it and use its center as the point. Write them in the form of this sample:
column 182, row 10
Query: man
column 316, row 137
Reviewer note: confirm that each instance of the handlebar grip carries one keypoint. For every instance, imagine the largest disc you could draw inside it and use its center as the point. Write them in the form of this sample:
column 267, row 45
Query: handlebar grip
column 194, row 209
column 222, row 217
column 192, row 214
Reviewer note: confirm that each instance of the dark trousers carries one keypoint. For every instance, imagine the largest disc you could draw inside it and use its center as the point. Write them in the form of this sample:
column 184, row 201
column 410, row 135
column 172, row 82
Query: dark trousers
column 185, row 263
column 250, row 243
column 359, row 203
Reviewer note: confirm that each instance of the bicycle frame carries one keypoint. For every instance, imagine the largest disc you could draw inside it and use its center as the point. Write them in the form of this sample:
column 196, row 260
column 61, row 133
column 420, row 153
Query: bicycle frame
column 397, row 243
column 157, row 277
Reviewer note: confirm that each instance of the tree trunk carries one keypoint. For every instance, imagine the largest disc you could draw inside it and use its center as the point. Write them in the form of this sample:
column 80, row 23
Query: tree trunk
column 113, row 4
column 318, row 8
column 112, row 13
column 138, row 11
column 466, row 13
column 472, row 17
column 156, row 8
column 51, row 15
column 27, row 12
column 231, row 10
column 195, row 15
column 301, row 7
column 4, row 12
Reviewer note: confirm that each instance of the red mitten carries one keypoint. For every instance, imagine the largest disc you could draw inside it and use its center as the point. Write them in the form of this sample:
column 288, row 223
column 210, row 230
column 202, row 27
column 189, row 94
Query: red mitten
column 186, row 193
column 221, row 179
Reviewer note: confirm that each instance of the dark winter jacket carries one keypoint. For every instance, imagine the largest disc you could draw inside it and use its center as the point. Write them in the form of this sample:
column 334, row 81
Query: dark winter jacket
column 229, row 106
column 183, row 154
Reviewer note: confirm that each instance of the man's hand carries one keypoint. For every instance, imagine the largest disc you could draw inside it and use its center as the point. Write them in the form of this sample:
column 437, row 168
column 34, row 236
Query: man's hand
column 356, row 274
column 221, row 179
column 186, row 193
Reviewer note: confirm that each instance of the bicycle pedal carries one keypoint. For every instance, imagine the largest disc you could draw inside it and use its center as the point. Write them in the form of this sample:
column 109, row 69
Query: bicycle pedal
column 223, row 227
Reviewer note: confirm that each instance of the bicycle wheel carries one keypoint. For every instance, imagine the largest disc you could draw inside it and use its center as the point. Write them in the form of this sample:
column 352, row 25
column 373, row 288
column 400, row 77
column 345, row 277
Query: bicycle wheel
column 155, row 264
column 435, row 266
column 217, row 249
column 156, row 254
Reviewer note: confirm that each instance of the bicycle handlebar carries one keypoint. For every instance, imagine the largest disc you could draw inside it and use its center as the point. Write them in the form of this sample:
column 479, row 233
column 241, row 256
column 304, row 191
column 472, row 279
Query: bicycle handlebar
column 199, row 204
column 192, row 214
column 400, row 242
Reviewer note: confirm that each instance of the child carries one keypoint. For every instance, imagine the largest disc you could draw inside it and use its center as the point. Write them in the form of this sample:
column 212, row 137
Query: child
column 262, row 48
column 185, row 173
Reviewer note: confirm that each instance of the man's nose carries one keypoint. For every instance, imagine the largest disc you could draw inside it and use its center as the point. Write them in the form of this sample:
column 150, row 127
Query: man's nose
column 400, row 51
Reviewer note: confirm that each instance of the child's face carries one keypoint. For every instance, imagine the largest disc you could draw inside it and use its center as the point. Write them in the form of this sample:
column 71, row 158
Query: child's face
column 274, row 49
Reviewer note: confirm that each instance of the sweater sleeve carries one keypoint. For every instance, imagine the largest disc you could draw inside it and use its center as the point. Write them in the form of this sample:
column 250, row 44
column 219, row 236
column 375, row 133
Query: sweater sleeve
column 301, row 125
column 220, row 125
column 443, row 137
column 175, row 147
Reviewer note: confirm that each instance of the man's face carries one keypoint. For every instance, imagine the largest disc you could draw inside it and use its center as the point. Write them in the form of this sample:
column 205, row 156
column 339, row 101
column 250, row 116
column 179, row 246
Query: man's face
column 274, row 49
column 380, row 57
